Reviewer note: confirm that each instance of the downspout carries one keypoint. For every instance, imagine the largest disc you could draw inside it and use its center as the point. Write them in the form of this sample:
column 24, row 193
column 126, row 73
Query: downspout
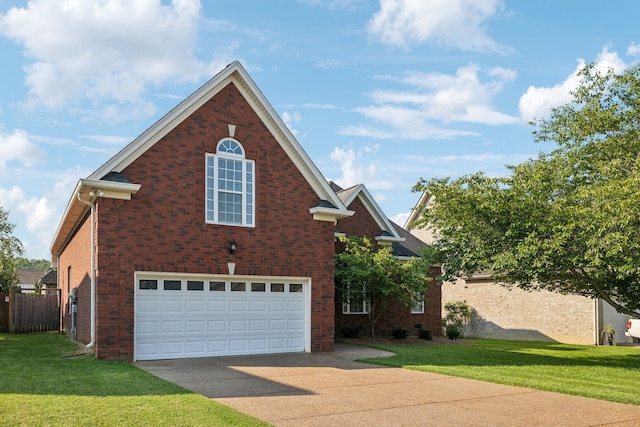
column 92, row 205
column 596, row 320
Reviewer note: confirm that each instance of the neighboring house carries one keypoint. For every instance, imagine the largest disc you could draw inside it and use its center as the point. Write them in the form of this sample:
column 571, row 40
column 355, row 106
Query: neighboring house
column 515, row 314
column 49, row 282
column 369, row 221
column 28, row 280
column 210, row 234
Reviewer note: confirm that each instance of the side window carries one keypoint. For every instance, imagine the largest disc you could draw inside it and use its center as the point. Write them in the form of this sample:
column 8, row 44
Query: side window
column 230, row 186
column 357, row 303
column 417, row 304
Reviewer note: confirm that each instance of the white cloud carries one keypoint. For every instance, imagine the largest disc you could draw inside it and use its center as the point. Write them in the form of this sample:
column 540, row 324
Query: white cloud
column 37, row 217
column 401, row 218
column 289, row 119
column 17, row 147
column 452, row 23
column 356, row 168
column 103, row 49
column 633, row 49
column 537, row 102
column 434, row 100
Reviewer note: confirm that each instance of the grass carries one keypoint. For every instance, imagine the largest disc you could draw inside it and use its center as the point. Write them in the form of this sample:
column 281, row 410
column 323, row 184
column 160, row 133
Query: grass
column 40, row 388
column 605, row 373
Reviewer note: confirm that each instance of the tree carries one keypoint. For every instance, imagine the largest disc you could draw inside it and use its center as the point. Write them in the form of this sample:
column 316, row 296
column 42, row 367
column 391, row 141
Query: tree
column 33, row 264
column 457, row 317
column 10, row 250
column 375, row 278
column 567, row 221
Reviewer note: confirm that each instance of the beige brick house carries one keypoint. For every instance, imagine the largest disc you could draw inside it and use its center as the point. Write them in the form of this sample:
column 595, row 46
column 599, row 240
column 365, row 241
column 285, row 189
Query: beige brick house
column 515, row 314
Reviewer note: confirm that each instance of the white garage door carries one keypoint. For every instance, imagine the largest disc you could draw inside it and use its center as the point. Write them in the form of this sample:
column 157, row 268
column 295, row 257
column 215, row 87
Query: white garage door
column 180, row 317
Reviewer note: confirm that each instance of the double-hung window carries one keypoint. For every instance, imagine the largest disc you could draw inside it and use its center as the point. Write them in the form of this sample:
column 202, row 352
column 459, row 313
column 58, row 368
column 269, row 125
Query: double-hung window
column 357, row 301
column 230, row 185
column 417, row 304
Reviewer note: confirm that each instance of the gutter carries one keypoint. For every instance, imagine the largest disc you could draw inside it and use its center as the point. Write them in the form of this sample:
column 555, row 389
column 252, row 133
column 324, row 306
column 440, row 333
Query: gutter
column 90, row 202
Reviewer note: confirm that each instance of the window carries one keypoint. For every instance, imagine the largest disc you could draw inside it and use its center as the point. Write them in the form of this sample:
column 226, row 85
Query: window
column 295, row 287
column 277, row 287
column 357, row 302
column 217, row 286
column 151, row 285
column 195, row 285
column 417, row 304
column 172, row 285
column 230, row 181
column 238, row 287
column 258, row 287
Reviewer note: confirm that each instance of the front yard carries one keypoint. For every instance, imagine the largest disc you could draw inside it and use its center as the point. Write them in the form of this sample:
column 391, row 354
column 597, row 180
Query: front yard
column 606, row 373
column 39, row 388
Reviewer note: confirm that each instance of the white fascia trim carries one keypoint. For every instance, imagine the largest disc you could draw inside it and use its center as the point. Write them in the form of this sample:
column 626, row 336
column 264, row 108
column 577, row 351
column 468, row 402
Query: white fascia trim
column 89, row 189
column 424, row 201
column 376, row 212
column 329, row 214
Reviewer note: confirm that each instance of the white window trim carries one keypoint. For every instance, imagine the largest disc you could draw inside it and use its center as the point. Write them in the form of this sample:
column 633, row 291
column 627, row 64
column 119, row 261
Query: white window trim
column 245, row 182
column 417, row 306
column 366, row 306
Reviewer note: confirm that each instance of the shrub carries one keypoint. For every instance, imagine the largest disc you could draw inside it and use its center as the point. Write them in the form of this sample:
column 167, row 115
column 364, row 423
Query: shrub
column 351, row 331
column 453, row 332
column 399, row 333
column 425, row 334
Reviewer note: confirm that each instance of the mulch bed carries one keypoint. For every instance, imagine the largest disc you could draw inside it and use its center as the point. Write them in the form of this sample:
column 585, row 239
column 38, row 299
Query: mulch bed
column 411, row 340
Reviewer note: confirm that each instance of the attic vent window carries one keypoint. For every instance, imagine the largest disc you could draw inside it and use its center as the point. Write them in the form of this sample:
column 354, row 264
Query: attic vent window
column 230, row 186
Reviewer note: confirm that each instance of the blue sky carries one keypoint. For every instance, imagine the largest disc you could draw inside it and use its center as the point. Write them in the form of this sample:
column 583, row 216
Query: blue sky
column 379, row 92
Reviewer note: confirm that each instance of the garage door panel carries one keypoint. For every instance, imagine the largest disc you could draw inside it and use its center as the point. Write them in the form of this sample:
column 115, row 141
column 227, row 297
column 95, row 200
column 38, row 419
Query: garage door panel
column 263, row 318
column 258, row 306
column 195, row 306
column 171, row 306
column 171, row 326
column 258, row 325
column 218, row 306
column 148, row 306
column 217, row 326
column 236, row 306
column 238, row 326
column 195, row 326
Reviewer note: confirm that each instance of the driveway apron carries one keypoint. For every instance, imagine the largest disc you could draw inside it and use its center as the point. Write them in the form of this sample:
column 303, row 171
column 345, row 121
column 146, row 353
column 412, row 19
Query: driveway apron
column 332, row 389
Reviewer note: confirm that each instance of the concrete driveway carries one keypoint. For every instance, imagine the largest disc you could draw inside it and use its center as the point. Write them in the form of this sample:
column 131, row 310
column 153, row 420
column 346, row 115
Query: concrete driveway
column 331, row 389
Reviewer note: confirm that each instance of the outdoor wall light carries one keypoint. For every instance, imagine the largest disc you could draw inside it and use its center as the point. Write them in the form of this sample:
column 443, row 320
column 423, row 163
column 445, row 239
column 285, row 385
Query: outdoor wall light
column 232, row 247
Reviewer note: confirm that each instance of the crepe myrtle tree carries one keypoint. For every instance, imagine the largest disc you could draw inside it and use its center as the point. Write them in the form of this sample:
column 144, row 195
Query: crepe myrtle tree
column 10, row 251
column 374, row 277
column 567, row 221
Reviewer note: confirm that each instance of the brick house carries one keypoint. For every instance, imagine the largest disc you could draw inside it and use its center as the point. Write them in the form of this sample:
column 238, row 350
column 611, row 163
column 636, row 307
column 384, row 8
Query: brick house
column 512, row 313
column 369, row 221
column 212, row 233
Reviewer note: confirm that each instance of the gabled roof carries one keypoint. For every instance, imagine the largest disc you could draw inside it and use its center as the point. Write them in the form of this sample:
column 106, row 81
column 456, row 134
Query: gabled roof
column 388, row 232
column 424, row 201
column 410, row 247
column 236, row 74
column 107, row 180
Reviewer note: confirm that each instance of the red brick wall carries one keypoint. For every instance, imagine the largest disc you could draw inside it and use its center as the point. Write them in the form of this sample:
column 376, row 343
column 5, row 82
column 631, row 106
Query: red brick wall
column 362, row 224
column 77, row 255
column 163, row 227
column 398, row 315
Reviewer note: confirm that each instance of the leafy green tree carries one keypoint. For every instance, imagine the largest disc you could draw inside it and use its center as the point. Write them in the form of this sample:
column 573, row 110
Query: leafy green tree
column 567, row 221
column 375, row 277
column 10, row 250
column 33, row 264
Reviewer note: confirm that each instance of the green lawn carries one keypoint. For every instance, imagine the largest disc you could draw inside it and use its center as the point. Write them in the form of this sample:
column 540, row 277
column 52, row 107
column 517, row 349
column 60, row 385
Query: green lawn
column 40, row 388
column 606, row 373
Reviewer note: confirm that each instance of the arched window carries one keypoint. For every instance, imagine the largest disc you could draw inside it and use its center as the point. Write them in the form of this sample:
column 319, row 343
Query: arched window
column 230, row 185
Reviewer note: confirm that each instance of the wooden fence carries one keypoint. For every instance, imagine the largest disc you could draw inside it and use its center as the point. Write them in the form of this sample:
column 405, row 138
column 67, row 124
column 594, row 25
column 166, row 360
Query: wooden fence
column 25, row 313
